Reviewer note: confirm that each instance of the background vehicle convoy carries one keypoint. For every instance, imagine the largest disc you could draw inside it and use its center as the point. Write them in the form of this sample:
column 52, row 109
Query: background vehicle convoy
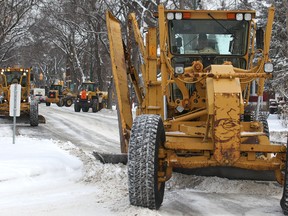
column 60, row 95
column 28, row 106
column 193, row 104
column 90, row 97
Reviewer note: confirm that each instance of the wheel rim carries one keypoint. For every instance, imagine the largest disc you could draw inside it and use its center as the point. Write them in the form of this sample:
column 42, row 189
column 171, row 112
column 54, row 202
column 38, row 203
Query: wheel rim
column 69, row 102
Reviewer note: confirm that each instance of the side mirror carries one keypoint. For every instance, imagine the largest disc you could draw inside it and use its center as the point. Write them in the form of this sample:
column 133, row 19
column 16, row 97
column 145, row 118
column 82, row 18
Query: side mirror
column 31, row 76
column 260, row 38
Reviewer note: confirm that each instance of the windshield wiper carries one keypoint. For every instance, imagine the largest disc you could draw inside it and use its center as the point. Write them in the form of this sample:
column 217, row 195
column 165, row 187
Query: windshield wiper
column 227, row 30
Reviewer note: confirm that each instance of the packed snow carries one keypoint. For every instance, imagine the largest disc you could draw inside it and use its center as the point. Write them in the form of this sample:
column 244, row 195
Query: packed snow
column 41, row 176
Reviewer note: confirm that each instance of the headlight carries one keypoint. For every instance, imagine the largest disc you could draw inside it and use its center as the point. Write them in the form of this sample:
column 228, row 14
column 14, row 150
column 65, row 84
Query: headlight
column 178, row 16
column 239, row 16
column 268, row 67
column 179, row 69
column 170, row 16
column 247, row 16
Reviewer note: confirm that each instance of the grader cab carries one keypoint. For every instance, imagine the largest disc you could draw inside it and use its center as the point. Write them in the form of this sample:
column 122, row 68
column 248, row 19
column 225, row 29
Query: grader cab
column 193, row 89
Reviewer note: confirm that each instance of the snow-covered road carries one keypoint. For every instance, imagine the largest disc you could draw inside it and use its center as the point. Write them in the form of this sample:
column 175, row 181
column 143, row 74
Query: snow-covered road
column 89, row 131
column 50, row 171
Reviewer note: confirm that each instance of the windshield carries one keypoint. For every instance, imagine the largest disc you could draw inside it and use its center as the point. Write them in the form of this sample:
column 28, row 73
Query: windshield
column 13, row 77
column 206, row 37
column 56, row 87
column 89, row 86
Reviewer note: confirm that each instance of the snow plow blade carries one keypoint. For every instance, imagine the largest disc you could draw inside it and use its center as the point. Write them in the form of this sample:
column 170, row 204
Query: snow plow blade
column 222, row 172
column 230, row 173
column 110, row 158
column 23, row 119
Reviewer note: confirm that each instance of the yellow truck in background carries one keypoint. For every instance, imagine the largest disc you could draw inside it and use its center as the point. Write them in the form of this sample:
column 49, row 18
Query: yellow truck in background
column 90, row 96
column 60, row 95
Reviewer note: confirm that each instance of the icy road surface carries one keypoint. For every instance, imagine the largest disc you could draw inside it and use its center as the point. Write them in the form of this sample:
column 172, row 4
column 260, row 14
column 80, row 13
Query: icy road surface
column 50, row 171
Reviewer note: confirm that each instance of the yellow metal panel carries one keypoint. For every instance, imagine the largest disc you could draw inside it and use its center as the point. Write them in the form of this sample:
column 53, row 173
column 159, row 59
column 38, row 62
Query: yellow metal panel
column 154, row 96
column 210, row 96
column 119, row 70
column 222, row 85
column 227, row 128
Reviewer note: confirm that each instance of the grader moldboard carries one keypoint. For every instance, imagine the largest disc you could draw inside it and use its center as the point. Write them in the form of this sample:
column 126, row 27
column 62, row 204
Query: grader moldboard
column 193, row 104
column 28, row 106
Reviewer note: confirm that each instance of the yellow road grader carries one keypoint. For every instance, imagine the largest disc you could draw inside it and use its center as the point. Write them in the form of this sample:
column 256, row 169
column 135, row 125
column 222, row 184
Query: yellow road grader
column 90, row 97
column 28, row 106
column 193, row 89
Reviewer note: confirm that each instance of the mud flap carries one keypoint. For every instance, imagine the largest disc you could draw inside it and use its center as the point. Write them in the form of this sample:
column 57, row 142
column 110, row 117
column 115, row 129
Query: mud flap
column 111, row 158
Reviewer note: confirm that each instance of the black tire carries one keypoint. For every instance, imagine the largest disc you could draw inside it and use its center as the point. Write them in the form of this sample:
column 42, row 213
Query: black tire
column 95, row 106
column 60, row 103
column 77, row 107
column 48, row 103
column 284, row 199
column 85, row 109
column 101, row 105
column 68, row 102
column 147, row 136
column 34, row 119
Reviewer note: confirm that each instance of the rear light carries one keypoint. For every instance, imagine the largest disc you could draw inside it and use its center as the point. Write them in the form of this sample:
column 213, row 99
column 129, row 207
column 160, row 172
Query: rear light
column 186, row 15
column 52, row 95
column 231, row 16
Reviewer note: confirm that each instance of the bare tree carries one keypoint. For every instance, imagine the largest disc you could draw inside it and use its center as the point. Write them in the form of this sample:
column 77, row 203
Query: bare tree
column 13, row 25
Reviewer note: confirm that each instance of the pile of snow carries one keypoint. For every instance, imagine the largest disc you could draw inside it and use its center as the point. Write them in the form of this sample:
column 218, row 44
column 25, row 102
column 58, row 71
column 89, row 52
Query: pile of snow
column 50, row 177
column 278, row 133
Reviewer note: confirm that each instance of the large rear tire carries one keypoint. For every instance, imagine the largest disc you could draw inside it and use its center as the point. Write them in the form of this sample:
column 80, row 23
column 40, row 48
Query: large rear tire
column 147, row 136
column 34, row 119
column 77, row 107
column 85, row 109
column 95, row 106
column 101, row 105
column 60, row 103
